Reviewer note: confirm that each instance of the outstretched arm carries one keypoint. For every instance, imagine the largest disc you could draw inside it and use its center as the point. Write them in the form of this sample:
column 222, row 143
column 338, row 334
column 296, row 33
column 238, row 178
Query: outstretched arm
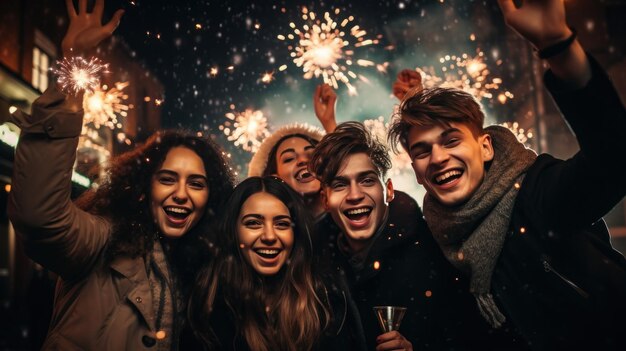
column 55, row 232
column 324, row 101
column 542, row 23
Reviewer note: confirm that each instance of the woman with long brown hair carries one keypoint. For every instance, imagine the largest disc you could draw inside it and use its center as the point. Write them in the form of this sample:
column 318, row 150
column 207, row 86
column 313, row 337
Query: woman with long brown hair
column 261, row 291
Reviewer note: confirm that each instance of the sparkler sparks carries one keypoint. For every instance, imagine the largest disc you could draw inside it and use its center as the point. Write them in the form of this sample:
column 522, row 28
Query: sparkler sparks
column 322, row 48
column 248, row 129
column 76, row 74
column 467, row 73
column 103, row 106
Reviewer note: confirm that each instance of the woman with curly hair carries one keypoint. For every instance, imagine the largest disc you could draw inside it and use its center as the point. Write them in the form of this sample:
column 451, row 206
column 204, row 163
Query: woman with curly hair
column 127, row 253
column 261, row 291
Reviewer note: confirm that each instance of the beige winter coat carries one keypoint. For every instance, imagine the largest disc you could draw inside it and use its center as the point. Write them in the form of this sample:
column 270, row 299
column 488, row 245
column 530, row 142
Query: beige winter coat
column 98, row 306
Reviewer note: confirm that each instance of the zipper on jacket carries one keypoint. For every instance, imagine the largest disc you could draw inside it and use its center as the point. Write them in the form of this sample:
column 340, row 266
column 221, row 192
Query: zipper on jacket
column 548, row 268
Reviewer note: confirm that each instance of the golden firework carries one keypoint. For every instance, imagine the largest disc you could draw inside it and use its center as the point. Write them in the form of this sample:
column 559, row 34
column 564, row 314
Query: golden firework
column 246, row 129
column 324, row 47
column 103, row 106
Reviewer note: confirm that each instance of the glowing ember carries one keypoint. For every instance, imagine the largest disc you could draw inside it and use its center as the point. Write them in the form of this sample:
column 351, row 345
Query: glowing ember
column 267, row 77
column 470, row 74
column 102, row 106
column 322, row 48
column 249, row 128
column 76, row 74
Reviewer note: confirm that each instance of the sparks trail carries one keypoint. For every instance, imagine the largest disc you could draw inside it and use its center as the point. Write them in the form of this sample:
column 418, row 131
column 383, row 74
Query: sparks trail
column 103, row 107
column 323, row 48
column 467, row 73
column 246, row 129
column 76, row 74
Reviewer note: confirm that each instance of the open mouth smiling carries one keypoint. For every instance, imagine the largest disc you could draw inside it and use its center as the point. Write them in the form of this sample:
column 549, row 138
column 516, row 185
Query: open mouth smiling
column 268, row 253
column 304, row 176
column 177, row 213
column 447, row 176
column 356, row 214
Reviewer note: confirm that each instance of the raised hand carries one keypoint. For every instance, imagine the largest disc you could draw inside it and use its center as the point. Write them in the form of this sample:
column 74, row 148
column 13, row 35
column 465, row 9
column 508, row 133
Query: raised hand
column 393, row 340
column 324, row 100
column 406, row 80
column 542, row 22
column 86, row 31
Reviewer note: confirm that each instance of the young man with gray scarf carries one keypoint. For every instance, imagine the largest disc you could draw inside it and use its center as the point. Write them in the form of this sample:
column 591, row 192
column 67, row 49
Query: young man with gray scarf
column 528, row 229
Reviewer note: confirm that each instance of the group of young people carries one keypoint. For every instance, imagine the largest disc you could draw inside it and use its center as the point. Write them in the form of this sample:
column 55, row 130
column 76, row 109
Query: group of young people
column 167, row 253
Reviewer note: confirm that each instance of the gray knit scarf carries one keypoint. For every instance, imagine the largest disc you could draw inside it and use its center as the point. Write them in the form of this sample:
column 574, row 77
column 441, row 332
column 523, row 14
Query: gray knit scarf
column 471, row 235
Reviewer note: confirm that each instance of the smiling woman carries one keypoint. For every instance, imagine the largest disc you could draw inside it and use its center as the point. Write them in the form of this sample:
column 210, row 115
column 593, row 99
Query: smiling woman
column 127, row 252
column 261, row 291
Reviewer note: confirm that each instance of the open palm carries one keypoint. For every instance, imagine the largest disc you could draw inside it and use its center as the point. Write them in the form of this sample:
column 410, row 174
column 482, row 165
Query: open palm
column 86, row 31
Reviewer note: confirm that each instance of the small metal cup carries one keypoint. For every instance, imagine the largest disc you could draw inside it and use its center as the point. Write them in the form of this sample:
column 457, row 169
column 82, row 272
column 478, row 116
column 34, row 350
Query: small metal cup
column 389, row 317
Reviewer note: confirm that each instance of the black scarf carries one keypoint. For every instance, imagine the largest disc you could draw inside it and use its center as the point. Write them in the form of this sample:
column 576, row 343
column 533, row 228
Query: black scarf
column 471, row 235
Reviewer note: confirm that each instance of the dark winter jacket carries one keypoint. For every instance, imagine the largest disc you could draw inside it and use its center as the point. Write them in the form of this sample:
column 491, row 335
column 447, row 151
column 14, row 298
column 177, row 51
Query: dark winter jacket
column 405, row 267
column 558, row 280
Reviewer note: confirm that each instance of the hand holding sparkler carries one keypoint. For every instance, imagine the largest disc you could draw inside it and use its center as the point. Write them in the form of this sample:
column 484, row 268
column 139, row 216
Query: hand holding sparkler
column 86, row 31
column 324, row 100
column 406, row 80
column 542, row 23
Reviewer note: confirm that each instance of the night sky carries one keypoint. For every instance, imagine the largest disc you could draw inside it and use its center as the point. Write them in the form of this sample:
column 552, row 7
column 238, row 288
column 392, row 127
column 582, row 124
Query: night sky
column 180, row 41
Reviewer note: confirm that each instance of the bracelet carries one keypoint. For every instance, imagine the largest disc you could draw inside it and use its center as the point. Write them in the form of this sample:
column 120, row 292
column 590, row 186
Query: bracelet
column 557, row 48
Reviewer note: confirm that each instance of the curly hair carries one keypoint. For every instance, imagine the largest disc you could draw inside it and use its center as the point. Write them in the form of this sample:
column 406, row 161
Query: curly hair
column 347, row 139
column 435, row 106
column 124, row 199
column 300, row 315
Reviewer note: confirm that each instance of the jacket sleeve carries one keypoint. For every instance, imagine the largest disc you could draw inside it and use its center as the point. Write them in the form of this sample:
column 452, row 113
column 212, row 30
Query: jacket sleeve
column 579, row 191
column 55, row 233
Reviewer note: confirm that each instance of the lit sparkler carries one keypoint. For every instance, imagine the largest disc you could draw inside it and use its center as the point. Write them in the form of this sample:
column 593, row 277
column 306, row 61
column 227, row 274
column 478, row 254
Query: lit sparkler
column 323, row 48
column 103, row 106
column 267, row 77
column 467, row 73
column 249, row 128
column 75, row 74
column 379, row 129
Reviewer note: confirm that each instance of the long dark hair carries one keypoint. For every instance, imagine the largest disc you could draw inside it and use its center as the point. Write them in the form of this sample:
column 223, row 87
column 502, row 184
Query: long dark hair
column 300, row 315
column 124, row 198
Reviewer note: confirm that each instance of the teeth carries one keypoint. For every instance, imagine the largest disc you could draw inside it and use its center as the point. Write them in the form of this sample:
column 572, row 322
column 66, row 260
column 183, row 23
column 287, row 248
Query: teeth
column 358, row 211
column 302, row 174
column 177, row 210
column 447, row 175
column 268, row 251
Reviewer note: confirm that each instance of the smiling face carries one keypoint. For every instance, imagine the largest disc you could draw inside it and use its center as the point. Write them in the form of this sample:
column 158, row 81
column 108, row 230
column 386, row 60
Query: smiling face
column 292, row 156
column 358, row 199
column 179, row 192
column 449, row 160
column 265, row 233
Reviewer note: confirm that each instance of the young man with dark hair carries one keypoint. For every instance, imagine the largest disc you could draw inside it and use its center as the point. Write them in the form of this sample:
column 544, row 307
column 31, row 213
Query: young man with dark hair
column 377, row 239
column 527, row 229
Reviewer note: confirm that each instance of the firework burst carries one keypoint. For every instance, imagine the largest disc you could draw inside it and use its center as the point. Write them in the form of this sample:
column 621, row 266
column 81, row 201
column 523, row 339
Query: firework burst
column 75, row 74
column 379, row 129
column 103, row 106
column 467, row 73
column 322, row 48
column 246, row 129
